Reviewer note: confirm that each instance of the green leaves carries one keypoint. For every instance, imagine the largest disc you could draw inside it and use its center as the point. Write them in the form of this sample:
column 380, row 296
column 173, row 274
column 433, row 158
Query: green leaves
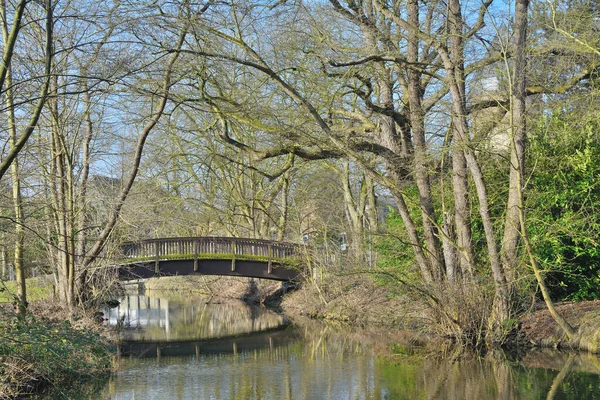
column 563, row 203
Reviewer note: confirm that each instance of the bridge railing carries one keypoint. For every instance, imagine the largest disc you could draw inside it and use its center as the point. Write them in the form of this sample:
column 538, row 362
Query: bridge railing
column 203, row 247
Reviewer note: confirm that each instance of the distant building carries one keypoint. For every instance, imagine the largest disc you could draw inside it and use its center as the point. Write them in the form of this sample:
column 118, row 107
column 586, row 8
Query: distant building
column 490, row 125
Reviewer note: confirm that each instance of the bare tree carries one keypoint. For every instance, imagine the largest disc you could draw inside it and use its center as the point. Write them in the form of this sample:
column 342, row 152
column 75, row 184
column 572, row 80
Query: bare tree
column 413, row 67
column 16, row 143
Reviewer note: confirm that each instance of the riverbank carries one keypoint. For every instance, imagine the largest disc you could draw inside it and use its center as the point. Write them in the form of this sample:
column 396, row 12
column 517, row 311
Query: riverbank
column 540, row 329
column 360, row 302
column 354, row 301
column 52, row 349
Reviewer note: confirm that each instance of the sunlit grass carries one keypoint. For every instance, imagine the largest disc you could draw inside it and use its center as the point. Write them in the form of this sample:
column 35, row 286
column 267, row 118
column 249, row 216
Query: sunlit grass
column 37, row 289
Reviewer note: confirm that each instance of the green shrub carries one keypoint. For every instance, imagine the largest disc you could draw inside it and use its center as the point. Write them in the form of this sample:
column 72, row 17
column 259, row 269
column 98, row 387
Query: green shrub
column 564, row 203
column 38, row 354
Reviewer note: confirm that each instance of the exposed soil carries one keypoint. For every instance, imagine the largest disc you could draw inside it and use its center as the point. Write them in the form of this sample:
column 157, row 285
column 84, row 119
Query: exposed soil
column 540, row 329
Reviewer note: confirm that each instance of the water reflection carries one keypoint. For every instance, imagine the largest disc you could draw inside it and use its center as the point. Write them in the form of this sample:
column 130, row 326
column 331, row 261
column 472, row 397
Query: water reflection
column 315, row 361
column 148, row 319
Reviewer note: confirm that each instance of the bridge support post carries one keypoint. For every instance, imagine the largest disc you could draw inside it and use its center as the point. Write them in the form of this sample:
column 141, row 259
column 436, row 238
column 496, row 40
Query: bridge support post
column 233, row 255
column 270, row 261
column 156, row 258
column 196, row 255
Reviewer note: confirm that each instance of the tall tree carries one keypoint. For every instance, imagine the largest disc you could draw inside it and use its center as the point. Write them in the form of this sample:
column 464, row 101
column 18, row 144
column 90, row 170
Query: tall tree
column 417, row 64
column 9, row 37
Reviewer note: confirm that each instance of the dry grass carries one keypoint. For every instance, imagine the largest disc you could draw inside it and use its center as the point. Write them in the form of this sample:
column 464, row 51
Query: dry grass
column 248, row 289
column 459, row 312
column 354, row 299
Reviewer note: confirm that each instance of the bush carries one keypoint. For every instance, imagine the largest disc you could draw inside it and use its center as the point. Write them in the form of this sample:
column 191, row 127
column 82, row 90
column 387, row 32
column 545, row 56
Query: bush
column 564, row 204
column 36, row 354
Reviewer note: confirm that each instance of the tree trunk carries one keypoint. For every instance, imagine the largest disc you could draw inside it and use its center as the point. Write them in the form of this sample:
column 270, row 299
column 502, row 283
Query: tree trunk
column 455, row 79
column 354, row 211
column 60, row 200
column 371, row 206
column 3, row 257
column 462, row 218
column 415, row 94
column 518, row 128
column 283, row 212
column 18, row 264
column 464, row 235
column 518, row 154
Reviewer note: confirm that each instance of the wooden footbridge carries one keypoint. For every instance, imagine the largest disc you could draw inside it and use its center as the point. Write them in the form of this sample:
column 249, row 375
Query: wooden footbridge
column 211, row 256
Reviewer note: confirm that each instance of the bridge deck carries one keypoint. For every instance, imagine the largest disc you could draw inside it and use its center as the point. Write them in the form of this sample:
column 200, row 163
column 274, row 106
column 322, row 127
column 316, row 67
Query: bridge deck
column 211, row 256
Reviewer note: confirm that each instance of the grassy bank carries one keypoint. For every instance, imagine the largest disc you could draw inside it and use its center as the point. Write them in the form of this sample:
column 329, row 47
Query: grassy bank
column 359, row 301
column 52, row 349
column 37, row 289
column 356, row 300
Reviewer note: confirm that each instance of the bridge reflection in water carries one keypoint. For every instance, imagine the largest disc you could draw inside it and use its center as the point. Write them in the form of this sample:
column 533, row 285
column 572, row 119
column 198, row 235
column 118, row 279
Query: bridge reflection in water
column 145, row 319
column 137, row 312
column 239, row 344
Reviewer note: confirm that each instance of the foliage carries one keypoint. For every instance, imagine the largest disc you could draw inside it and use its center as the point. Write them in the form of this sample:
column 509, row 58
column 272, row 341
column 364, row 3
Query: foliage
column 564, row 203
column 39, row 353
column 394, row 253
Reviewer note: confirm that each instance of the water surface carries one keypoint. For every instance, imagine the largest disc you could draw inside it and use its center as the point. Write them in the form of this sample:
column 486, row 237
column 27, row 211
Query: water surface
column 191, row 348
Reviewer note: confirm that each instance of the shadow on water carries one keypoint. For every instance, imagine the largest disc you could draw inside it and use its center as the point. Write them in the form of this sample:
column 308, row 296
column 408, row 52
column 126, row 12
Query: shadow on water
column 269, row 339
column 244, row 353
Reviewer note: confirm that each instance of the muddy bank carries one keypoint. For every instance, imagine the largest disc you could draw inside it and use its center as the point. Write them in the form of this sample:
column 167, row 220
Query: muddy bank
column 541, row 330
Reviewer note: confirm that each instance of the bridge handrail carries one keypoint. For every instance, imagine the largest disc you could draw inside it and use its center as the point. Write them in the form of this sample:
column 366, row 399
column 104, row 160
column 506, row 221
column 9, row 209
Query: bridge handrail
column 194, row 246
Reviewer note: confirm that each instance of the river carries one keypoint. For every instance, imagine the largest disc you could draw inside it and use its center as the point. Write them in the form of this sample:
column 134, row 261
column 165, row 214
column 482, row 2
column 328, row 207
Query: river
column 185, row 347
